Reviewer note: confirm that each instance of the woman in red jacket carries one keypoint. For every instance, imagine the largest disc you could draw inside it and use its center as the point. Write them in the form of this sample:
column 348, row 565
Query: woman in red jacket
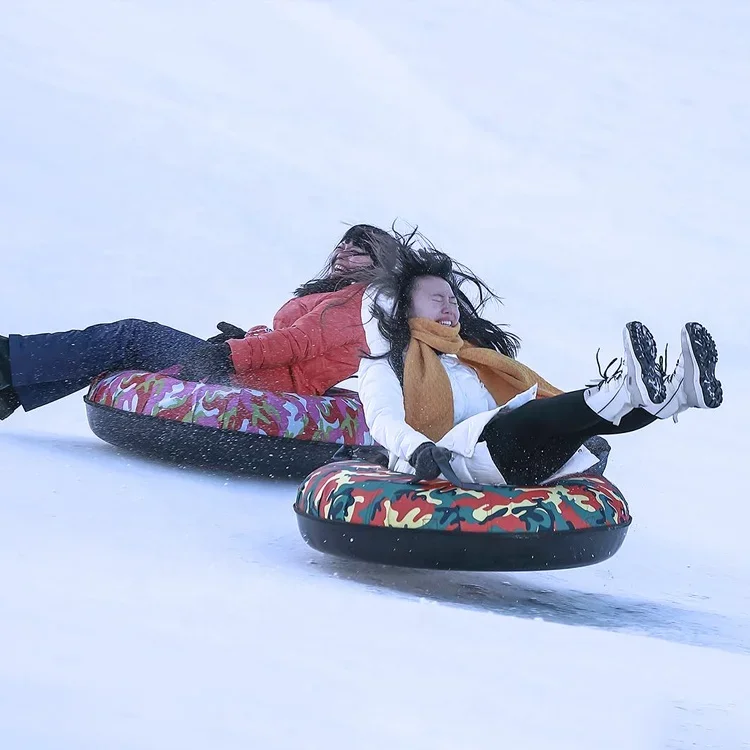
column 316, row 340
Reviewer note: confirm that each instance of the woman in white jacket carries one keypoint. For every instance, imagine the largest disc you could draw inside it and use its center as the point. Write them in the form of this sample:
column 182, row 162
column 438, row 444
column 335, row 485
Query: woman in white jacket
column 442, row 385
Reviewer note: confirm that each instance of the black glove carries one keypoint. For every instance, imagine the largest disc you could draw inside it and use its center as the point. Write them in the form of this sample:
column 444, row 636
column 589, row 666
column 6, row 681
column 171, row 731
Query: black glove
column 228, row 331
column 425, row 458
column 208, row 362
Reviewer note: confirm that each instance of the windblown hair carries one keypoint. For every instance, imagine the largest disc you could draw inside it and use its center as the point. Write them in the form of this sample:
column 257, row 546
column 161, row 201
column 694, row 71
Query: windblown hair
column 381, row 246
column 395, row 282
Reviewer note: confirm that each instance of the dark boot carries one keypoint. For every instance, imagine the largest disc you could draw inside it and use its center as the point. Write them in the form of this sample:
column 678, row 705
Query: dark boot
column 8, row 398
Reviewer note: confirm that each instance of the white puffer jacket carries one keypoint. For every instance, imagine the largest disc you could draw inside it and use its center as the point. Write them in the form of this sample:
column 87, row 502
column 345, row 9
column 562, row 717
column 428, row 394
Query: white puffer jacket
column 473, row 406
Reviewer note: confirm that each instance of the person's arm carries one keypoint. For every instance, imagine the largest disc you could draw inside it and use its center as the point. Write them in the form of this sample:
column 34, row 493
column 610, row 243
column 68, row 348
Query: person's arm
column 311, row 335
column 382, row 396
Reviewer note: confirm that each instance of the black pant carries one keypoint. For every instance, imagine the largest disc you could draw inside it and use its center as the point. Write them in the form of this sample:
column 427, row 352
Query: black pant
column 48, row 366
column 532, row 442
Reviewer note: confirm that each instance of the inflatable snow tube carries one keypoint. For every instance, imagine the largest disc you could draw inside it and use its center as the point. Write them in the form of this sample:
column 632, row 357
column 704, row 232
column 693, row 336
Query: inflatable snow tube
column 223, row 426
column 360, row 510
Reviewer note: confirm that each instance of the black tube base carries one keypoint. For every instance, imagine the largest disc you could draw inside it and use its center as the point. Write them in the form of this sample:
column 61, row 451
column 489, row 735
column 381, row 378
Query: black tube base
column 207, row 447
column 449, row 550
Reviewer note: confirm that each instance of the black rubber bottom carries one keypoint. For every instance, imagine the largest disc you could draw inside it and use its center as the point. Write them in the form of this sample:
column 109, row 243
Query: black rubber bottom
column 644, row 349
column 706, row 357
column 208, row 447
column 449, row 550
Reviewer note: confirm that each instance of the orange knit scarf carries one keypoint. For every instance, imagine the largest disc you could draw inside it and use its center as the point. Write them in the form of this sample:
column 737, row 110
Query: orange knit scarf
column 428, row 398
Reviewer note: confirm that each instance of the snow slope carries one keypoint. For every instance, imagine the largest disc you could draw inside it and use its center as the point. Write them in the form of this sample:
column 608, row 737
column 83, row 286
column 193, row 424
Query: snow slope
column 192, row 162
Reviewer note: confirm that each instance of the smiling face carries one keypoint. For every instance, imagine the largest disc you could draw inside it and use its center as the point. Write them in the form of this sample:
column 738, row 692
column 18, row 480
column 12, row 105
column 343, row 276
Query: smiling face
column 433, row 298
column 348, row 257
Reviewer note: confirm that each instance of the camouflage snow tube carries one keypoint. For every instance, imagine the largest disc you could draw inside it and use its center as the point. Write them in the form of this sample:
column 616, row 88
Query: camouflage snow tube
column 360, row 510
column 223, row 426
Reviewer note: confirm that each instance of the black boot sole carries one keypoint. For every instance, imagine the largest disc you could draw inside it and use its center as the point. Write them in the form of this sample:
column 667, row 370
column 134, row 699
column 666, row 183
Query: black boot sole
column 705, row 356
column 8, row 398
column 644, row 350
column 8, row 402
column 4, row 363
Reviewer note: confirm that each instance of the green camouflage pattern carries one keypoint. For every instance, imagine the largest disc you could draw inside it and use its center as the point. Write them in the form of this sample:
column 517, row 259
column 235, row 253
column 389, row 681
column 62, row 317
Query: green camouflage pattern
column 367, row 494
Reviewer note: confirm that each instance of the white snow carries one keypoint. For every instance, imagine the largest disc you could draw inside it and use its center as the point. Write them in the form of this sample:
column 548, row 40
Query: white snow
column 191, row 162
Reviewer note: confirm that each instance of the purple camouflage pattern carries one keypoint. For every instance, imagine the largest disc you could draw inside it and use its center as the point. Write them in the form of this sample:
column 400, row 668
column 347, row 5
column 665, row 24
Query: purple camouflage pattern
column 333, row 418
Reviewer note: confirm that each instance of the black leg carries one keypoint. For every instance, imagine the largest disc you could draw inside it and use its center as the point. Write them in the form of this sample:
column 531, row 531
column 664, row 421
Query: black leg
column 532, row 442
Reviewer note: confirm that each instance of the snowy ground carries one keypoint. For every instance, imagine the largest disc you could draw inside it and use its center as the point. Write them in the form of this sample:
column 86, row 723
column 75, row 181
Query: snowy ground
column 191, row 162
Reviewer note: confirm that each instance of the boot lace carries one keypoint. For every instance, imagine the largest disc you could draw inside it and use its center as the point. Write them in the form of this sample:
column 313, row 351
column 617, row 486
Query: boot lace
column 605, row 376
column 664, row 367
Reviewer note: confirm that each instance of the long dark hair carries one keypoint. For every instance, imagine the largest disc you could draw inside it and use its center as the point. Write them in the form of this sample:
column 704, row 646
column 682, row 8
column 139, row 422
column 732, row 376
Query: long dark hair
column 381, row 246
column 418, row 257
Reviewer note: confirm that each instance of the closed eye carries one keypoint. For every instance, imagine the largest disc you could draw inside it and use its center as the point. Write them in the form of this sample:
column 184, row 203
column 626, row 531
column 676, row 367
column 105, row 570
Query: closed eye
column 440, row 298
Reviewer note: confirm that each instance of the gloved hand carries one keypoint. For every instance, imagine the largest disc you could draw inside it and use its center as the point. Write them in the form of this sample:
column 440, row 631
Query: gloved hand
column 228, row 331
column 424, row 460
column 208, row 362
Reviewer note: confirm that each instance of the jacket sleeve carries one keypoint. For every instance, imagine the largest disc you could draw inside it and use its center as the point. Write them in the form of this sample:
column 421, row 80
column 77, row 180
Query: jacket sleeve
column 313, row 334
column 382, row 396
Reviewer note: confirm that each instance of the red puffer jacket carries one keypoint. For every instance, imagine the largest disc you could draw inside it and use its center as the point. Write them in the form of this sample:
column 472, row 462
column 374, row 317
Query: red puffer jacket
column 315, row 343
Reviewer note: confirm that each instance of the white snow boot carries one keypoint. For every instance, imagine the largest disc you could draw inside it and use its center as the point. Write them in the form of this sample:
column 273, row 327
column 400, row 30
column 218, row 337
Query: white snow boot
column 638, row 381
column 693, row 382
